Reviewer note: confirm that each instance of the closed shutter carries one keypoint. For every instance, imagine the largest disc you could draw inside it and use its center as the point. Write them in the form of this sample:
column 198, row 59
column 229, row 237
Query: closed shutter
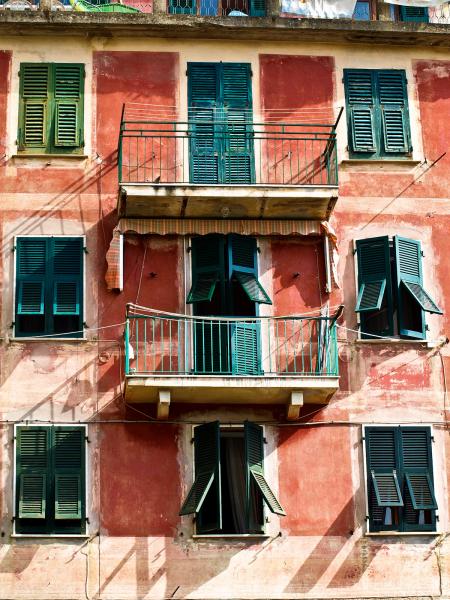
column 31, row 275
column 68, row 454
column 394, row 111
column 67, row 273
column 257, row 8
column 414, row 13
column 254, row 459
column 34, row 107
column 32, row 470
column 382, row 475
column 417, row 467
column 207, row 478
column 238, row 167
column 360, row 99
column 69, row 87
column 204, row 123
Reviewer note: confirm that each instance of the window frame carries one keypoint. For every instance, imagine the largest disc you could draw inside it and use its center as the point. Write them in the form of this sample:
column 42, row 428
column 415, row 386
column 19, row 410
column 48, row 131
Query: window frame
column 50, row 124
column 399, row 531
column 48, row 425
column 263, row 534
column 50, row 337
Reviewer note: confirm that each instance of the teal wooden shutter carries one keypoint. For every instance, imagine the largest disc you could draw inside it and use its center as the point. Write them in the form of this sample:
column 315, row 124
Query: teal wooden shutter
column 207, row 267
column 382, row 475
column 31, row 272
column 360, row 101
column 242, row 266
column 257, row 8
column 393, row 100
column 32, row 471
column 417, row 466
column 414, row 13
column 34, row 107
column 69, row 89
column 204, row 126
column 68, row 276
column 182, row 7
column 254, row 460
column 69, row 472
column 206, row 486
column 238, row 159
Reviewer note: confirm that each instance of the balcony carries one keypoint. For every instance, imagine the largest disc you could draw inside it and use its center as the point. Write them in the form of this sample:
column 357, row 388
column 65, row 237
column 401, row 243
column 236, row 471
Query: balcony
column 255, row 360
column 225, row 168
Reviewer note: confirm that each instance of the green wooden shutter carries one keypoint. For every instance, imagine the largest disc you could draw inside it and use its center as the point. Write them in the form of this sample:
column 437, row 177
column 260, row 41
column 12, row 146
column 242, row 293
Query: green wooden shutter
column 207, row 267
column 204, row 126
column 393, row 100
column 182, row 7
column 242, row 266
column 69, row 89
column 34, row 107
column 69, row 472
column 254, row 459
column 207, row 478
column 417, row 466
column 32, row 471
column 414, row 13
column 68, row 276
column 31, row 270
column 360, row 101
column 374, row 281
column 382, row 468
column 238, row 159
column 257, row 8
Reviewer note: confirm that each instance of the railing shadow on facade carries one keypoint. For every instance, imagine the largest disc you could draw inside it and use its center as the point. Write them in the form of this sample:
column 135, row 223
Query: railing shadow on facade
column 161, row 344
column 227, row 152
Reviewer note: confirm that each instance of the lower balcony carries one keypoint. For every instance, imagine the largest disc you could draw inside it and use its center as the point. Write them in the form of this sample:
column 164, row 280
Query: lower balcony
column 255, row 360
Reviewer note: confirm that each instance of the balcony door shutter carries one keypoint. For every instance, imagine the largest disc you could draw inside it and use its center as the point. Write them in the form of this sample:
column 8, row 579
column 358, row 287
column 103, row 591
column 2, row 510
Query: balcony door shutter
column 68, row 455
column 238, row 161
column 394, row 111
column 204, row 123
column 207, row 267
column 417, row 467
column 32, row 472
column 35, row 107
column 206, row 489
column 254, row 459
column 360, row 99
column 414, row 14
column 31, row 276
column 67, row 273
column 69, row 88
column 383, row 478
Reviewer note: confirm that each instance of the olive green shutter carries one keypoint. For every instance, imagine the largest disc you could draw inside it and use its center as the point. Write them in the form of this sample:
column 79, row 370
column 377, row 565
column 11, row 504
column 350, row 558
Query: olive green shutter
column 414, row 13
column 254, row 459
column 31, row 268
column 360, row 101
column 204, row 123
column 68, row 94
column 238, row 161
column 207, row 476
column 69, row 472
column 35, row 108
column 32, row 472
column 417, row 466
column 392, row 96
column 67, row 276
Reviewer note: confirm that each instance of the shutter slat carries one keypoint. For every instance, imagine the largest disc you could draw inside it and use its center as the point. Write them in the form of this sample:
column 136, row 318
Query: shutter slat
column 203, row 287
column 362, row 128
column 35, row 119
column 421, row 491
column 32, row 256
column 68, row 455
column 374, row 273
column 68, row 80
column 32, row 472
column 67, row 256
column 252, row 287
column 370, row 296
column 387, row 490
column 67, row 126
column 423, row 298
column 32, row 495
column 245, row 349
column 414, row 13
column 393, row 101
column 66, row 300
column 35, row 80
column 31, row 298
column 67, row 497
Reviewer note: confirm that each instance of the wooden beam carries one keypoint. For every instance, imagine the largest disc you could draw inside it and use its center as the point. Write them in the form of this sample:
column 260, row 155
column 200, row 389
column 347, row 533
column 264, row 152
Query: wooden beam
column 294, row 406
column 162, row 411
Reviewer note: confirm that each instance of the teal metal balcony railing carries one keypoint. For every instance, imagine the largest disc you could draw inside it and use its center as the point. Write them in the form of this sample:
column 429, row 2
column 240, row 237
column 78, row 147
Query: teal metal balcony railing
column 158, row 344
column 227, row 152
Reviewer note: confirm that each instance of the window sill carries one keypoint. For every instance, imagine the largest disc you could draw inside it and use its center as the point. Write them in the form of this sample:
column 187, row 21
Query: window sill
column 59, row 536
column 393, row 341
column 232, row 536
column 378, row 164
column 49, row 339
column 49, row 156
column 401, row 533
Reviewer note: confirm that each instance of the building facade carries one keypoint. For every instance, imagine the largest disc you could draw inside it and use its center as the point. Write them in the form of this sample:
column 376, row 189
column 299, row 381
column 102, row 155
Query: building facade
column 224, row 349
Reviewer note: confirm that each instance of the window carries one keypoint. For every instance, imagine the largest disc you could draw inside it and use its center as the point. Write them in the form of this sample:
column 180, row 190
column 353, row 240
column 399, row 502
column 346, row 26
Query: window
column 49, row 286
column 391, row 297
column 400, row 479
column 413, row 13
column 50, row 480
column 220, row 123
column 212, row 8
column 225, row 283
column 229, row 488
column 51, row 108
column 363, row 10
column 377, row 113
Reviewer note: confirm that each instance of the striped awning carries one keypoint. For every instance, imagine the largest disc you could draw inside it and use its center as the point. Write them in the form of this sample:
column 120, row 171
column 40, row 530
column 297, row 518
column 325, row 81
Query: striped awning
column 256, row 227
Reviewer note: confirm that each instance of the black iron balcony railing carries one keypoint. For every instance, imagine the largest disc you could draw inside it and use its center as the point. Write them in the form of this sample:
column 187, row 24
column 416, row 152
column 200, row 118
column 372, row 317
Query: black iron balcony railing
column 223, row 152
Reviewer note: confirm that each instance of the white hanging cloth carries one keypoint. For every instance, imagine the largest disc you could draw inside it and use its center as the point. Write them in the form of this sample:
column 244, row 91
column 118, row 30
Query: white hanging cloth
column 320, row 9
column 417, row 3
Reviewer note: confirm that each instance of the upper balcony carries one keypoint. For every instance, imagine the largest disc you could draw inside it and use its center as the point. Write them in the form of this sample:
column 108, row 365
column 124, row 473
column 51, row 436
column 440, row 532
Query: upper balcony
column 254, row 360
column 225, row 167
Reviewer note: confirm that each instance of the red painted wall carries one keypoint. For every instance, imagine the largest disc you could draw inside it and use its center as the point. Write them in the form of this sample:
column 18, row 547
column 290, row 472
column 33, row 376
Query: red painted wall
column 5, row 66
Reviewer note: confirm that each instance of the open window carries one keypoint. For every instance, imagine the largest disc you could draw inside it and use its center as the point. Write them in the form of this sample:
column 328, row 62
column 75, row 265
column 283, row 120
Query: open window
column 391, row 298
column 400, row 484
column 230, row 488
